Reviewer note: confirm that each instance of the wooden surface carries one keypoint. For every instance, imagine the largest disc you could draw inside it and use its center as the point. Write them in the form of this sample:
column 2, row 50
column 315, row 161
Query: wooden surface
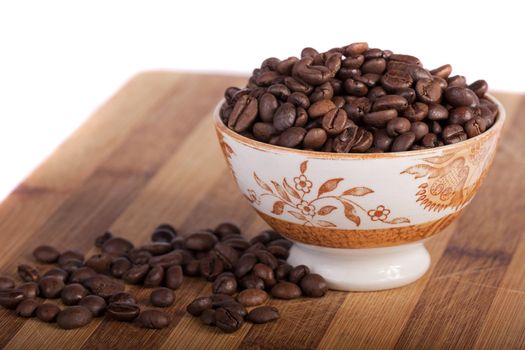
column 149, row 155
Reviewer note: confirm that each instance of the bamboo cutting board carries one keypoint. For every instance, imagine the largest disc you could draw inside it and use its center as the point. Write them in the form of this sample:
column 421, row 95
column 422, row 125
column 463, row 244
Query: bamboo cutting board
column 149, row 156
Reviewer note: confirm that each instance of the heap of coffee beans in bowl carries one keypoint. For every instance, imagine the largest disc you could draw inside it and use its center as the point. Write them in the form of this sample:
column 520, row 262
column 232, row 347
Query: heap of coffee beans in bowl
column 244, row 274
column 357, row 99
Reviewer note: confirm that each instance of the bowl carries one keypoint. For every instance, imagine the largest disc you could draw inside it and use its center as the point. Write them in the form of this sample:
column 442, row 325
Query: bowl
column 359, row 219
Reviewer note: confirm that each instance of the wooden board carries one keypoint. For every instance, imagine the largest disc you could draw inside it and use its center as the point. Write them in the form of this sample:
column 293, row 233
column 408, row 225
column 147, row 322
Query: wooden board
column 149, row 155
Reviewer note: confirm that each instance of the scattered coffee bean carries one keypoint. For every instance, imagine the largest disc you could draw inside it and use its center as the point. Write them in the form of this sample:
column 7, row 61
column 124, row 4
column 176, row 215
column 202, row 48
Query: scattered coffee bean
column 11, row 298
column 208, row 317
column 197, row 306
column 117, row 246
column 154, row 319
column 124, row 312
column 162, row 297
column 103, row 286
column 27, row 308
column 57, row 272
column 227, row 321
column 47, row 312
column 46, row 254
column 50, row 286
column 252, row 297
column 263, row 314
column 95, row 304
column 314, row 285
column 30, row 289
column 73, row 293
column 6, row 283
column 74, row 317
column 70, row 255
column 100, row 240
column 297, row 273
column 286, row 290
column 28, row 273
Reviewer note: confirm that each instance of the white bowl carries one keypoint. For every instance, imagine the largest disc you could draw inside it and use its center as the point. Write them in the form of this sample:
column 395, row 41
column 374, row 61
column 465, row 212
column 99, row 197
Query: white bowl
column 359, row 219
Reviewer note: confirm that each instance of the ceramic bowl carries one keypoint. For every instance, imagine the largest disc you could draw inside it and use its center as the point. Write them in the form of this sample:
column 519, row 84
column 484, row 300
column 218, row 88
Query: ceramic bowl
column 359, row 219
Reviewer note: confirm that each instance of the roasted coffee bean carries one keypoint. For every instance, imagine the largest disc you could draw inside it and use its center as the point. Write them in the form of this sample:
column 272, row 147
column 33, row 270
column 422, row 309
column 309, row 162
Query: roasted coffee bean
column 291, row 137
column 100, row 262
column 475, row 127
column 355, row 87
column 225, row 284
column 379, row 119
column 243, row 114
column 417, row 112
column 139, row 256
column 192, row 268
column 280, row 242
column 117, row 246
column 356, row 109
column 396, row 102
column 375, row 93
column 333, row 62
column 50, row 287
column 314, row 285
column 252, row 297
column 245, row 264
column 74, row 317
column 267, row 77
column 95, row 304
column 453, row 133
column 200, row 241
column 265, row 273
column 282, row 271
column 298, row 85
column 457, row 81
column 435, row 127
column 100, row 240
column 227, row 320
column 403, row 142
column 28, row 273
column 73, row 293
column 268, row 104
column 323, row 91
column 314, row 138
column 396, row 127
column 103, row 286
column 72, row 265
column 437, row 112
column 382, row 140
column 334, row 121
column 479, row 87
column 154, row 319
column 285, row 66
column 251, row 281
column 460, row 96
column 163, row 235
column 119, row 266
column 122, row 297
column 80, row 274
column 298, row 99
column 374, row 65
column 279, row 252
column 263, row 314
column 284, row 117
column 286, row 290
column 136, row 274
column 124, row 312
column 210, row 267
column 364, row 140
column 280, row 91
column 225, row 229
column 297, row 273
column 30, row 289
column 46, row 254
column 11, row 298
column 174, row 277
column 369, row 79
column 442, row 82
column 353, row 62
column 170, row 259
column 355, row 49
column 419, row 129
column 47, row 312
column 70, row 255
column 6, row 283
column 57, row 272
column 373, row 53
column 311, row 74
column 461, row 115
column 396, row 79
column 157, row 248
column 197, row 306
column 162, row 297
column 345, row 140
column 266, row 258
column 320, row 108
column 154, row 277
column 428, row 91
column 27, row 308
column 208, row 317
column 443, row 71
column 429, row 140
column 301, row 117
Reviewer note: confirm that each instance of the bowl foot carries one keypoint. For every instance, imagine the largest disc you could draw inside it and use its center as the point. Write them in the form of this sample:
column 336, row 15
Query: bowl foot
column 364, row 269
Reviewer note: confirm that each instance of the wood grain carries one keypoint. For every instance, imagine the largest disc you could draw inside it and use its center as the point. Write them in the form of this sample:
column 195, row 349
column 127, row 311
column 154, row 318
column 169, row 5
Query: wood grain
column 149, row 155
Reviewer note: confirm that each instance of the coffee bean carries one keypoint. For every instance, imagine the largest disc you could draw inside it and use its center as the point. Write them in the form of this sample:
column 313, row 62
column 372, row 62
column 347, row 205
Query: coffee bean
column 117, row 246
column 95, row 304
column 6, row 283
column 47, row 312
column 298, row 99
column 72, row 265
column 353, row 62
column 396, row 127
column 30, row 289
column 154, row 277
column 460, row 96
column 252, row 297
column 234, row 306
column 11, row 298
column 396, row 79
column 227, row 321
column 119, row 266
column 297, row 273
column 101, row 263
column 225, row 283
column 103, row 286
column 124, row 312
column 266, row 258
column 403, row 142
column 282, row 271
column 314, row 285
column 453, row 133
column 430, row 140
column 298, row 85
column 285, row 66
column 334, row 121
column 479, row 87
column 263, row 314
column 200, row 241
column 157, row 248
column 265, row 273
column 280, row 252
column 162, row 297
column 373, row 53
column 457, row 81
column 170, row 259
column 443, row 71
column 57, row 272
column 280, row 91
column 379, row 119
column 243, row 114
column 208, row 317
column 419, row 129
column 356, row 109
column 28, row 273
column 396, row 102
column 46, row 254
column 210, row 267
column 139, row 256
column 192, row 268
column 74, row 317
column 268, row 104
column 136, row 274
column 428, row 91
column 437, row 112
column 375, row 93
column 73, row 293
column 286, row 290
column 154, row 319
column 197, row 306
column 50, row 287
column 461, row 115
column 174, row 277
column 417, row 112
column 475, row 127
column 374, row 65
column 320, row 108
column 355, row 87
column 355, row 49
column 314, row 138
column 251, row 281
column 345, row 140
column 80, row 274
column 382, row 140
column 245, row 264
column 122, row 297
column 27, row 308
column 323, row 91
column 100, row 240
column 311, row 74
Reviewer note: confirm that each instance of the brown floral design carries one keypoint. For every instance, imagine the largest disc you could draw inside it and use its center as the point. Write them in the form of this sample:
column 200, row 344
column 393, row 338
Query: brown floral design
column 299, row 201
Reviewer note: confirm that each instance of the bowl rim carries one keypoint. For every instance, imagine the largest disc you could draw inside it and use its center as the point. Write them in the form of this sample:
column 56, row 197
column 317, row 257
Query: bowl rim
column 494, row 130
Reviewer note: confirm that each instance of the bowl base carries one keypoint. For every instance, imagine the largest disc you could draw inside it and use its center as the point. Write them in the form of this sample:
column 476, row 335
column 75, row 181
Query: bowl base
column 364, row 269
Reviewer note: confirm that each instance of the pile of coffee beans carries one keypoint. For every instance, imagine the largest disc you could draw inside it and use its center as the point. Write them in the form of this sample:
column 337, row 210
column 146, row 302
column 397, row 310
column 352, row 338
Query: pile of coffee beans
column 356, row 99
column 244, row 274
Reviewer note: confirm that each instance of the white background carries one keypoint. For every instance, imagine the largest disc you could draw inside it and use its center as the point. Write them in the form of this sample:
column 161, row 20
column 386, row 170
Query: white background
column 59, row 60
